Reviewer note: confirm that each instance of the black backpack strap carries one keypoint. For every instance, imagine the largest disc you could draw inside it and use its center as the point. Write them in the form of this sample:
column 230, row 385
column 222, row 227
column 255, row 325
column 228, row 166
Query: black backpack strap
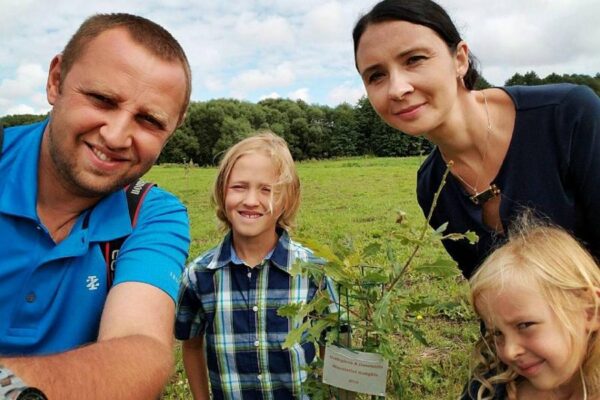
column 135, row 192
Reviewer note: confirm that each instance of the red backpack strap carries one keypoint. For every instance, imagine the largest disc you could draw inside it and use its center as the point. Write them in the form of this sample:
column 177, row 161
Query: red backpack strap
column 136, row 192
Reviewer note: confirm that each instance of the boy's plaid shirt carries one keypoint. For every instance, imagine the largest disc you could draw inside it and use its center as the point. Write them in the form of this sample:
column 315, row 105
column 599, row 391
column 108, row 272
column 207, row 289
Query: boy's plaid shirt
column 235, row 307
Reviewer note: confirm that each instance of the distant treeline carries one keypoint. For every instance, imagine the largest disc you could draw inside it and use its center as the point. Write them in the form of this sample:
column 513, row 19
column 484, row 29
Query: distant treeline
column 312, row 131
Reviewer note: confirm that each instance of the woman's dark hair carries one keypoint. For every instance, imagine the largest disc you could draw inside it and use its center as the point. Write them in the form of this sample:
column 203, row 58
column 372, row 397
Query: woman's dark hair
column 420, row 12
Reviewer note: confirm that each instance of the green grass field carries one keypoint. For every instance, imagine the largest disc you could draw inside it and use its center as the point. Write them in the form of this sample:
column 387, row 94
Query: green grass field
column 356, row 199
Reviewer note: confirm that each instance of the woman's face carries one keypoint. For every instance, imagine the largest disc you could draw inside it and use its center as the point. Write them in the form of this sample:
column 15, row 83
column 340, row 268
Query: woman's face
column 410, row 75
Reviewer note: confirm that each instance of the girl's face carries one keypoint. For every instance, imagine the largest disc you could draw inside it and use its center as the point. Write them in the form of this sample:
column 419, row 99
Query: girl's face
column 410, row 74
column 531, row 339
column 249, row 204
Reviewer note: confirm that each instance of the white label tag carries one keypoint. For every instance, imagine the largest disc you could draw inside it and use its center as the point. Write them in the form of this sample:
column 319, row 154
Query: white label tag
column 355, row 371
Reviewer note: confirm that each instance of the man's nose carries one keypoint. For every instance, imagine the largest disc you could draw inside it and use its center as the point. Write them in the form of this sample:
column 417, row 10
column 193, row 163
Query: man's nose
column 117, row 132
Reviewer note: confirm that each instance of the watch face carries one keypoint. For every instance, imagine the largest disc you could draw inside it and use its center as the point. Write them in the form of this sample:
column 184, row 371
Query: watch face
column 31, row 394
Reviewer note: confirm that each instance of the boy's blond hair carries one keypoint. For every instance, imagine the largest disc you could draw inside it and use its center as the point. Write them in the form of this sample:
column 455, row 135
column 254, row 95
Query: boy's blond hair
column 285, row 192
column 546, row 257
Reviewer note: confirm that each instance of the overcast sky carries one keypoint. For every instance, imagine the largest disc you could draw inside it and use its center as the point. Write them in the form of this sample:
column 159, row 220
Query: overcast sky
column 300, row 49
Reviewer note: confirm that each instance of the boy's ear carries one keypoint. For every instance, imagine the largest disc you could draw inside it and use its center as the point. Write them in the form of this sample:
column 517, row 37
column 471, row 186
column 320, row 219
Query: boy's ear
column 593, row 313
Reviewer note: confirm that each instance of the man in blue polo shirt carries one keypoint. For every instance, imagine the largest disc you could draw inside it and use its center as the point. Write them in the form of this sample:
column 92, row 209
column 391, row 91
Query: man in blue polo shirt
column 118, row 91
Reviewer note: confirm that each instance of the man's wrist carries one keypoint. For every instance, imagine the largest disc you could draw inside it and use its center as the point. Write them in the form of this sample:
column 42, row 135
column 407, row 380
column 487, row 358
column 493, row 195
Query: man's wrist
column 14, row 388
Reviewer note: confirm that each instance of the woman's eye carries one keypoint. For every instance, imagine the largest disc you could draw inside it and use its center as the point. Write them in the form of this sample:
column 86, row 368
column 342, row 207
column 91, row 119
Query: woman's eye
column 374, row 77
column 266, row 190
column 412, row 60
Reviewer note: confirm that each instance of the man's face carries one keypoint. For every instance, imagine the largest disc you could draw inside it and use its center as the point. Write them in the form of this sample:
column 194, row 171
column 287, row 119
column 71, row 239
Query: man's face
column 113, row 113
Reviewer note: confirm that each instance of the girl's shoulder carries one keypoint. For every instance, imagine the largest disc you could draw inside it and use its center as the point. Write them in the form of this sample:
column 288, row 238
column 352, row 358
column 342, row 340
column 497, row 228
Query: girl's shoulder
column 500, row 392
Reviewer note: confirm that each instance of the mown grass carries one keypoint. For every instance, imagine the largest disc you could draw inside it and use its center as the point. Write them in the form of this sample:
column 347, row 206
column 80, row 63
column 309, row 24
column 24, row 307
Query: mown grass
column 356, row 199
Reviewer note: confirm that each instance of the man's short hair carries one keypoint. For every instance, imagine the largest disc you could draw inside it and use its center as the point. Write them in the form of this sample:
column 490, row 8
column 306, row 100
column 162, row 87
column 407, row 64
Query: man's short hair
column 148, row 34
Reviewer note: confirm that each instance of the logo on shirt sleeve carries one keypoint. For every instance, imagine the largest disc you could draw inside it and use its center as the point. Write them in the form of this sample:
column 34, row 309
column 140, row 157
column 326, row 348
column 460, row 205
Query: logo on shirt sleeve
column 93, row 282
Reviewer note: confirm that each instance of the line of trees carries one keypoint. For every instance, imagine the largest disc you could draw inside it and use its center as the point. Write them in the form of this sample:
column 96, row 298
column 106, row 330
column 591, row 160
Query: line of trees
column 312, row 131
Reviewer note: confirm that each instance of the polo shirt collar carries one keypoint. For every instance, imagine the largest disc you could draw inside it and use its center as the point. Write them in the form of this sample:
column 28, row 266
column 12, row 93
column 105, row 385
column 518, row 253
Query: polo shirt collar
column 19, row 192
column 279, row 256
column 107, row 220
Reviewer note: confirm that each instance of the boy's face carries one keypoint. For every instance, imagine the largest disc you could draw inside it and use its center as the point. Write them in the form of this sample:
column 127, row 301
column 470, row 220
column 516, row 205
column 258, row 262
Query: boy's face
column 249, row 204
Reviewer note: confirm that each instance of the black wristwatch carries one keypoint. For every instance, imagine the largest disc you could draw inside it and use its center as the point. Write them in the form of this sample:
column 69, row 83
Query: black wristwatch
column 13, row 388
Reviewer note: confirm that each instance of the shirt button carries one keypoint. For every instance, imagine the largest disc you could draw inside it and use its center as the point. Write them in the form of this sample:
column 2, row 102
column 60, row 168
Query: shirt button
column 259, row 377
column 256, row 343
column 249, row 274
column 30, row 298
column 255, row 308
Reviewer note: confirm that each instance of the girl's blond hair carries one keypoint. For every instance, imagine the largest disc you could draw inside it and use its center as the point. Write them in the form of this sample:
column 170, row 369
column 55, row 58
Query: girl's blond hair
column 285, row 192
column 546, row 257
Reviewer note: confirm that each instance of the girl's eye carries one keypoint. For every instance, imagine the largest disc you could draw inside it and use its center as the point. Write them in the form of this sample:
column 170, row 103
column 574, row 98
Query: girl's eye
column 524, row 325
column 266, row 189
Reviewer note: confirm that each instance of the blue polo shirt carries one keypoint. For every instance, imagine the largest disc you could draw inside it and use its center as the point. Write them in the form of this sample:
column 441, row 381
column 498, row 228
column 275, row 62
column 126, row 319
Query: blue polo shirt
column 52, row 295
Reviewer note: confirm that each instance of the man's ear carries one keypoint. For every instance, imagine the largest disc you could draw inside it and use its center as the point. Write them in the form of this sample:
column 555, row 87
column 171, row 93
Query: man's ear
column 593, row 313
column 54, row 79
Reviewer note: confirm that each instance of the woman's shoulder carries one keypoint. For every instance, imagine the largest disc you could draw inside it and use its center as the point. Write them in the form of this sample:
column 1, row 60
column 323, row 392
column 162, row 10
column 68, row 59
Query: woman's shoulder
column 528, row 97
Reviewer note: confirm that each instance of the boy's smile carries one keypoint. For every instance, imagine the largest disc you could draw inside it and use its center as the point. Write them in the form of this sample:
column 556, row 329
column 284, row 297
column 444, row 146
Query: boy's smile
column 250, row 205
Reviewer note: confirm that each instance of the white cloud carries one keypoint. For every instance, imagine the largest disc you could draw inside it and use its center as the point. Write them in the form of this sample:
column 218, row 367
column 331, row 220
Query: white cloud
column 247, row 48
column 326, row 22
column 270, row 32
column 268, row 77
column 346, row 94
column 29, row 78
column 272, row 95
column 25, row 92
column 20, row 109
column 300, row 94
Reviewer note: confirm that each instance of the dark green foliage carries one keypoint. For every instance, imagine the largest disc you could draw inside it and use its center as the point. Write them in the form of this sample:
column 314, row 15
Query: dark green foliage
column 311, row 131
column 21, row 119
column 531, row 78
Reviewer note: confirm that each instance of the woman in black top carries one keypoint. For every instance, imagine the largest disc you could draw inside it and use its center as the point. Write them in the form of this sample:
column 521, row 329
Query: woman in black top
column 511, row 148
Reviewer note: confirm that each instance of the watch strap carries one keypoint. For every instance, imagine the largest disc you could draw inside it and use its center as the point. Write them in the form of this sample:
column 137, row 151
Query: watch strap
column 13, row 388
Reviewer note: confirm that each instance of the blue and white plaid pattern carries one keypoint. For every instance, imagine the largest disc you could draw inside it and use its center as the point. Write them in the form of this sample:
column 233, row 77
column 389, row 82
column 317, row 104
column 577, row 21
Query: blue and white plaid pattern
column 235, row 307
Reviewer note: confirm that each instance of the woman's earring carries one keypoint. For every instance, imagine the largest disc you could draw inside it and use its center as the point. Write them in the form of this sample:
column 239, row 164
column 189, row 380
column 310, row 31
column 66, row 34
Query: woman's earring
column 461, row 80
